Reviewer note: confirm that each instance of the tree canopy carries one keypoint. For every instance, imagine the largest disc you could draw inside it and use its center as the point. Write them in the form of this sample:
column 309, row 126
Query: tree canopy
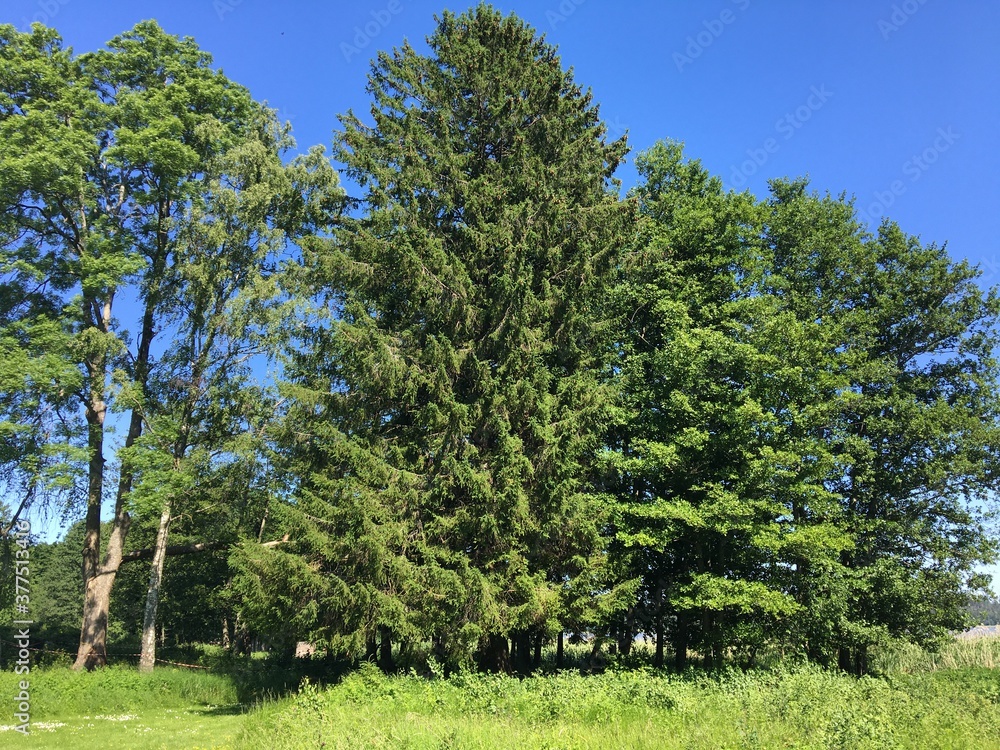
column 486, row 400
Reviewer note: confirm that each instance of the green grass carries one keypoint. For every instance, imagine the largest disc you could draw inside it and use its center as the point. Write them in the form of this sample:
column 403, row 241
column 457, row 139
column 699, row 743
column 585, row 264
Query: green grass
column 119, row 708
column 60, row 692
column 918, row 705
column 151, row 729
column 801, row 708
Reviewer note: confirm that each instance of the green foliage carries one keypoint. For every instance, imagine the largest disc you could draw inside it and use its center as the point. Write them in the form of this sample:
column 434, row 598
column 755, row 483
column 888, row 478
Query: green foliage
column 445, row 402
column 139, row 170
column 511, row 405
column 914, row 435
column 705, row 459
column 40, row 444
column 807, row 430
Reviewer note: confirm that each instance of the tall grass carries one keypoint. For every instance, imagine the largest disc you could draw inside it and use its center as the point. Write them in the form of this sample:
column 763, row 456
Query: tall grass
column 981, row 653
column 802, row 706
column 949, row 699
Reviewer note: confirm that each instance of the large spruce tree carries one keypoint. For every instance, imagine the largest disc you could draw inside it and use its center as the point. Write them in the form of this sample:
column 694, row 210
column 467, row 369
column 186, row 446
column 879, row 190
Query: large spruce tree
column 447, row 413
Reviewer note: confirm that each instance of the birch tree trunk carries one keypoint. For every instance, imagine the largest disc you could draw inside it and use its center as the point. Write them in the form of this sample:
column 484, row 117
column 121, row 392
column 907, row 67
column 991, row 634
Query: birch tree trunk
column 147, row 657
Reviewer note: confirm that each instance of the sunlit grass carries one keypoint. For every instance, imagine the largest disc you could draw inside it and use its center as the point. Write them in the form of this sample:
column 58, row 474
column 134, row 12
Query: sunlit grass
column 799, row 707
column 945, row 700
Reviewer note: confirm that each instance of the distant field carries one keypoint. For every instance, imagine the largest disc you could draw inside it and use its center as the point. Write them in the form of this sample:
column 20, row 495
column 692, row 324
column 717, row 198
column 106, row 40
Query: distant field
column 980, row 631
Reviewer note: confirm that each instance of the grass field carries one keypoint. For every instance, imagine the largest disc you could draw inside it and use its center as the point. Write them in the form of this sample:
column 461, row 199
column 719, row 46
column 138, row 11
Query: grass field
column 950, row 700
column 121, row 709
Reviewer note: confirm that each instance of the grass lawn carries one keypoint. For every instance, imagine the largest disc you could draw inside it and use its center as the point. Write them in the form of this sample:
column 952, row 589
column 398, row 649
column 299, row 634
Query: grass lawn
column 118, row 708
column 917, row 705
column 152, row 729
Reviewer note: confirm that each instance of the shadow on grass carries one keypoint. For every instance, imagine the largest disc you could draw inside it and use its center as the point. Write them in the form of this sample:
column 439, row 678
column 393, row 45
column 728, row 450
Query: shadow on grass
column 237, row 709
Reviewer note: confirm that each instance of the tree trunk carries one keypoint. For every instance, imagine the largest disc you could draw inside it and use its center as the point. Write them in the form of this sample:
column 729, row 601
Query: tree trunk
column 658, row 658
column 559, row 651
column 494, row 654
column 525, row 650
column 385, row 662
column 681, row 644
column 371, row 649
column 96, row 411
column 861, row 661
column 147, row 657
column 92, row 649
column 844, row 660
column 98, row 582
column 93, row 652
column 597, row 662
column 626, row 634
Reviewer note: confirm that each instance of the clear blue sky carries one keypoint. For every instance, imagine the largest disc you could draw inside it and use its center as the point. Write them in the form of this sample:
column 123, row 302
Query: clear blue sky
column 895, row 102
column 734, row 79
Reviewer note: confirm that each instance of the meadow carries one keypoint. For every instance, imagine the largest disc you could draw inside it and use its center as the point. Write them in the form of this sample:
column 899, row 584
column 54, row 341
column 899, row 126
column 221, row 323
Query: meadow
column 946, row 700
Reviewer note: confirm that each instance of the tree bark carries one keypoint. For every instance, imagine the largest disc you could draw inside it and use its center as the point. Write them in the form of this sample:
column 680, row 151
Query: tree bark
column 96, row 411
column 98, row 582
column 658, row 657
column 147, row 657
column 521, row 651
column 183, row 549
column 626, row 634
column 92, row 650
column 681, row 643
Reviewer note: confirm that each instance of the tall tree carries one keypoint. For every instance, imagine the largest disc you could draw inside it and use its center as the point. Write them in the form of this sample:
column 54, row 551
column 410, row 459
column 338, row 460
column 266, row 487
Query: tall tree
column 915, row 432
column 447, row 411
column 704, row 460
column 205, row 410
column 108, row 152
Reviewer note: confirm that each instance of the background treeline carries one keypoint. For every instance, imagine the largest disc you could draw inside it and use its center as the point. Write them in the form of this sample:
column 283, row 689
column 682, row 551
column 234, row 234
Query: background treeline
column 482, row 402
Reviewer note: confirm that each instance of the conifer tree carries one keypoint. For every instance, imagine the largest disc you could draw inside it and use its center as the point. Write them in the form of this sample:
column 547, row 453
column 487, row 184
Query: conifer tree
column 448, row 412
